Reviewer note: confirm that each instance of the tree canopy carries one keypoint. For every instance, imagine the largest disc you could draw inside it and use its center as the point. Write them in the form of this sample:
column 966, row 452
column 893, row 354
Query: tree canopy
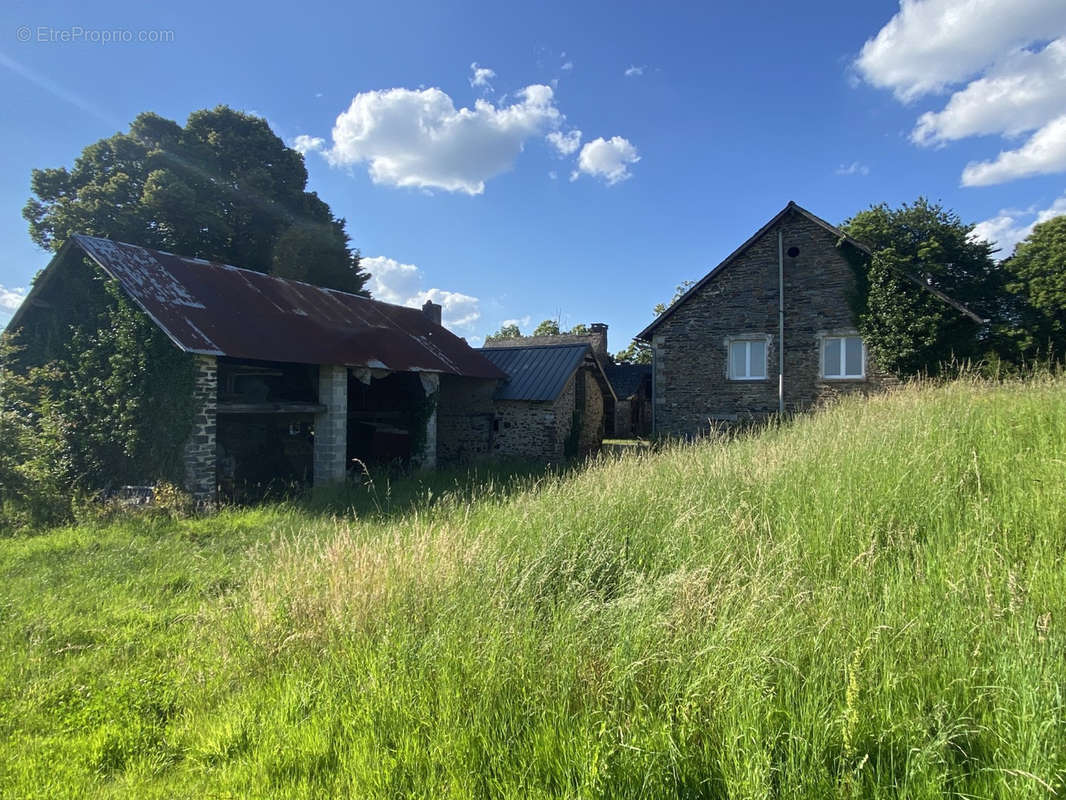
column 1037, row 273
column 224, row 187
column 548, row 327
column 908, row 329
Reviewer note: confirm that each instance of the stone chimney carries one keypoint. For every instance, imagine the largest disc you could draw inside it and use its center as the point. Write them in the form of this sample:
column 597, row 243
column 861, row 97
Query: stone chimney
column 598, row 334
column 432, row 310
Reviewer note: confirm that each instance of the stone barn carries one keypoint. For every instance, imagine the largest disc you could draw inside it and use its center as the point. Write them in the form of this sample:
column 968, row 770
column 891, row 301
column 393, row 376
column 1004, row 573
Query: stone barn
column 770, row 330
column 293, row 381
column 551, row 406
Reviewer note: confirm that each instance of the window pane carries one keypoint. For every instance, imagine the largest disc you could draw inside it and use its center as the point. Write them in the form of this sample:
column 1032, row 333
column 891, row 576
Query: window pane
column 832, row 358
column 758, row 359
column 737, row 354
column 853, row 355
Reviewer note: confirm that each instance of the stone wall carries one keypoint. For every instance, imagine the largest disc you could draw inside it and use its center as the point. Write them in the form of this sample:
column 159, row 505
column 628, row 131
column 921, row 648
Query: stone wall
column 692, row 392
column 471, row 425
column 528, row 430
column 592, row 414
column 199, row 455
column 465, row 416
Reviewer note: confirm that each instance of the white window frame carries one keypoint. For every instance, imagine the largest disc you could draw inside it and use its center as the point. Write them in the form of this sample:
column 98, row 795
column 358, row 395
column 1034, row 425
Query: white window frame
column 841, row 375
column 747, row 340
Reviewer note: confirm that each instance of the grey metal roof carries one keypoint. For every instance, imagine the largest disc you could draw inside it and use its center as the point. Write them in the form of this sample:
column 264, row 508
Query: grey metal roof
column 537, row 374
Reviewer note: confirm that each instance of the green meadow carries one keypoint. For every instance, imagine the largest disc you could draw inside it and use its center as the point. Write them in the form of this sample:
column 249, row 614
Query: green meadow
column 869, row 601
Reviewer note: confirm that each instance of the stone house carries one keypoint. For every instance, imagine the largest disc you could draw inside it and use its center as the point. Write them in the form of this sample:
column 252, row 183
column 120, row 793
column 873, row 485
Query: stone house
column 769, row 330
column 293, row 381
column 552, row 406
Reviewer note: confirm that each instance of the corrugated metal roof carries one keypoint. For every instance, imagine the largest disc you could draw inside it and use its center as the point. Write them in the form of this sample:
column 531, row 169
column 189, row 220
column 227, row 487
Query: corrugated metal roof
column 216, row 309
column 537, row 374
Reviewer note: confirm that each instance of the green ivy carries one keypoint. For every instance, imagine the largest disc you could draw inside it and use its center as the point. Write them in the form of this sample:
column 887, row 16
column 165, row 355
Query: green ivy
column 105, row 397
column 417, row 418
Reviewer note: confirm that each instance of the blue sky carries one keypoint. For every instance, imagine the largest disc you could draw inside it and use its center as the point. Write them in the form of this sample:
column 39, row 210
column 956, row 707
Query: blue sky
column 458, row 163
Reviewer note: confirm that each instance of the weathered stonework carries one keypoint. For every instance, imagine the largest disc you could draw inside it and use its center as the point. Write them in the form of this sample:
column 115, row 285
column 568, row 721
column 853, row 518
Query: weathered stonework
column 199, row 452
column 331, row 426
column 528, row 430
column 465, row 418
column 691, row 389
column 541, row 431
column 592, row 414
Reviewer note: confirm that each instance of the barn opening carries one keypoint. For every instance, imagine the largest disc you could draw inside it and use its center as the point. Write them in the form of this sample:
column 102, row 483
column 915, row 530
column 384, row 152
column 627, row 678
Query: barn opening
column 265, row 426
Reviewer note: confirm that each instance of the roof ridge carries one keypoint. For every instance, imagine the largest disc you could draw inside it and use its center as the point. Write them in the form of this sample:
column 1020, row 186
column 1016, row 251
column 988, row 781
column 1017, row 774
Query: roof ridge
column 223, row 265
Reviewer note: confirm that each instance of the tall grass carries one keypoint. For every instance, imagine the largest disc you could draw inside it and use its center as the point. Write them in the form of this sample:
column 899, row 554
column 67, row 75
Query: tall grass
column 868, row 601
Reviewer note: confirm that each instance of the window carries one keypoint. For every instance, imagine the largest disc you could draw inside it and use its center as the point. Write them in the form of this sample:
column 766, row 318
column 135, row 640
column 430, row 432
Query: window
column 747, row 359
column 843, row 357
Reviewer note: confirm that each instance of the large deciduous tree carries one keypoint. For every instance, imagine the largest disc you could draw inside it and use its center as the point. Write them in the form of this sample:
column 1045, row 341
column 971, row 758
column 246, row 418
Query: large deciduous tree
column 1037, row 273
column 908, row 329
column 224, row 187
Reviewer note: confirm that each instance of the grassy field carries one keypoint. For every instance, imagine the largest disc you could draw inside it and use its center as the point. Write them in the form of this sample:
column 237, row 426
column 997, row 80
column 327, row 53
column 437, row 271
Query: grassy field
column 868, row 602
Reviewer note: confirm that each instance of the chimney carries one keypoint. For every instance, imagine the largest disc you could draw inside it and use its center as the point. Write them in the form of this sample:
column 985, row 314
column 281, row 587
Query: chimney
column 432, row 310
column 598, row 333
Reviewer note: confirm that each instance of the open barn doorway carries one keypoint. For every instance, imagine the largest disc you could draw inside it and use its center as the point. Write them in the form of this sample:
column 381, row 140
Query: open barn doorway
column 265, row 426
column 386, row 420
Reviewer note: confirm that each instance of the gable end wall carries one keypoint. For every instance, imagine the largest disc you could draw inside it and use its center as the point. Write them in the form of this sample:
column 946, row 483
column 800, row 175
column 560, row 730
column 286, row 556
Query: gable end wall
column 691, row 390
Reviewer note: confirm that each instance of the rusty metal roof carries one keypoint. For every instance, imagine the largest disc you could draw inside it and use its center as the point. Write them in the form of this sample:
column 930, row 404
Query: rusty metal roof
column 537, row 374
column 216, row 309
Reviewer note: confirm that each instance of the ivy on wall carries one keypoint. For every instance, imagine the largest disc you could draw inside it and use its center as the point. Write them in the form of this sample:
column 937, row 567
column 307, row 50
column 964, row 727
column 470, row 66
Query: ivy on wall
column 107, row 395
column 417, row 417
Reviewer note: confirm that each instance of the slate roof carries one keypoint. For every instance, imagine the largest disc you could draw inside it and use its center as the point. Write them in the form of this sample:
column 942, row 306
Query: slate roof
column 216, row 309
column 537, row 374
column 626, row 378
column 792, row 207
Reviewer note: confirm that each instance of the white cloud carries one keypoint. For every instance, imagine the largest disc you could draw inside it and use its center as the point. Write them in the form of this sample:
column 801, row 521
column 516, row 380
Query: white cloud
column 1007, row 61
column 308, row 144
column 854, row 168
column 565, row 143
column 1011, row 226
column 607, row 158
column 932, row 44
column 419, row 138
column 480, row 76
column 553, row 174
column 521, row 322
column 634, row 71
column 1043, row 154
column 11, row 299
column 401, row 284
column 569, row 65
column 1020, row 93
